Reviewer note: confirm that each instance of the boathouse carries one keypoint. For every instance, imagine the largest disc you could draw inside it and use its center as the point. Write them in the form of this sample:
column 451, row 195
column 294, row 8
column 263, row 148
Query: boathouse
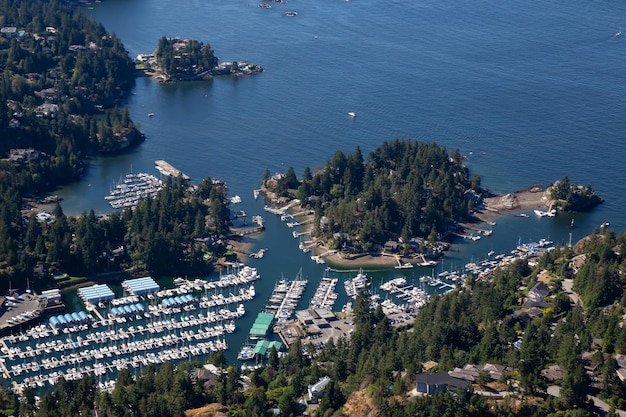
column 95, row 294
column 263, row 347
column 261, row 325
column 140, row 286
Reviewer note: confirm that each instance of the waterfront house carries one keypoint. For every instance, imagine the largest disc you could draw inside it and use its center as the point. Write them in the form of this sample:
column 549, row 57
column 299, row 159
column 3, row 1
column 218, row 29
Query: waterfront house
column 432, row 383
column 391, row 246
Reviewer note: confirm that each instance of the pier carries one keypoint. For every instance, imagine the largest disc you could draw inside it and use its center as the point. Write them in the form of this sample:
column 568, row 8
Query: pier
column 166, row 168
column 246, row 231
column 325, row 295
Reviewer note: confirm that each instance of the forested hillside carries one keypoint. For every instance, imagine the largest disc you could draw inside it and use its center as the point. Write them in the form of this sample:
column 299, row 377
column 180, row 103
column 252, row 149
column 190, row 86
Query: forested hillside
column 61, row 77
column 404, row 189
column 178, row 231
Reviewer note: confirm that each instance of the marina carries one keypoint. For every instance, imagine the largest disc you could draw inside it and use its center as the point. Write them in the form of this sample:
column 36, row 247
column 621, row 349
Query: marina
column 148, row 325
column 285, row 298
column 414, row 297
column 325, row 295
column 354, row 285
column 133, row 187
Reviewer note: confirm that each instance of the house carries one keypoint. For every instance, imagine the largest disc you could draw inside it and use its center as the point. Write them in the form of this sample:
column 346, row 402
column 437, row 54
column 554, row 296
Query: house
column 439, row 382
column 9, row 31
column 23, row 155
column 42, row 217
column 539, row 292
column 391, row 246
column 621, row 374
column 552, row 373
column 316, row 390
column 577, row 262
column 470, row 372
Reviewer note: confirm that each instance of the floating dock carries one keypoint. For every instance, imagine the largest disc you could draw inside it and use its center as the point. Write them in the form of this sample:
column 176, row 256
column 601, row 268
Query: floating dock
column 166, row 168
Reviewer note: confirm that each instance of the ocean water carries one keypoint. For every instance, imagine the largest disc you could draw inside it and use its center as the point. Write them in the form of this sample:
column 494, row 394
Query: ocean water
column 529, row 92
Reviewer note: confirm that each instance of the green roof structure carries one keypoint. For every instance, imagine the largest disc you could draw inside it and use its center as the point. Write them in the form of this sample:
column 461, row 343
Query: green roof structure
column 262, row 347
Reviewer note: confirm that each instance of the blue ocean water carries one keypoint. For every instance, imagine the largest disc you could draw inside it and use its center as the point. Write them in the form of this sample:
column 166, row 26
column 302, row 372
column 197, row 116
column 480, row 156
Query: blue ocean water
column 530, row 92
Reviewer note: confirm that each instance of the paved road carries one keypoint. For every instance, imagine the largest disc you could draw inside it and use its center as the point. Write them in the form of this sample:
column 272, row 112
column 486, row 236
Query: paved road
column 554, row 390
column 567, row 287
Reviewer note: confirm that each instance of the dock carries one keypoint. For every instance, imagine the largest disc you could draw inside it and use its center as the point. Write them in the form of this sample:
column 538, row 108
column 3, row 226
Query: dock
column 166, row 168
column 246, row 231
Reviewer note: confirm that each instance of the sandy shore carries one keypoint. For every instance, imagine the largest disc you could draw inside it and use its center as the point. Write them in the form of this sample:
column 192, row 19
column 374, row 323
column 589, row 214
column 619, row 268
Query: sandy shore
column 509, row 204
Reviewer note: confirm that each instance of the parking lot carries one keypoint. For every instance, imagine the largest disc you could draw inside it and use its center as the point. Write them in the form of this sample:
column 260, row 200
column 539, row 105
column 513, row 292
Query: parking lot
column 19, row 309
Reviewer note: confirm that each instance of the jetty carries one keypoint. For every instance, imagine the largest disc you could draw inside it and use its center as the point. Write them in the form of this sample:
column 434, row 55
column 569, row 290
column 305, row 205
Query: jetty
column 166, row 168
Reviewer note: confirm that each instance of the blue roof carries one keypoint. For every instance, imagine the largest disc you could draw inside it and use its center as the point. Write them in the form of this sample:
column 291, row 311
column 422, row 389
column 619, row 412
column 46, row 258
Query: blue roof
column 96, row 293
column 141, row 286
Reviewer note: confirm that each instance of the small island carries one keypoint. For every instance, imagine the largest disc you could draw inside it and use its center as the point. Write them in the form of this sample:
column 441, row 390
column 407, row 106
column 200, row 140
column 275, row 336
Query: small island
column 403, row 205
column 178, row 59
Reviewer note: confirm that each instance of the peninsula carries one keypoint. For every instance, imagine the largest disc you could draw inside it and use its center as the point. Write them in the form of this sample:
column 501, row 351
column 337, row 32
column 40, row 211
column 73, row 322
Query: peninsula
column 403, row 205
column 178, row 59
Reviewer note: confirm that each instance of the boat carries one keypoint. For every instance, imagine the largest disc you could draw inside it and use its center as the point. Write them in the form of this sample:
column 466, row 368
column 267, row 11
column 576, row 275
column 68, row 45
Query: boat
column 604, row 225
column 354, row 285
column 235, row 199
column 426, row 262
column 246, row 353
column 290, row 13
column 549, row 213
column 150, row 114
column 241, row 310
column 352, row 114
column 524, row 215
column 265, row 6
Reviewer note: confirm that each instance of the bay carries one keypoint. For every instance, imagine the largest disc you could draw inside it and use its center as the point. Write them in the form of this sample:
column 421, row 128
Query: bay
column 530, row 92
